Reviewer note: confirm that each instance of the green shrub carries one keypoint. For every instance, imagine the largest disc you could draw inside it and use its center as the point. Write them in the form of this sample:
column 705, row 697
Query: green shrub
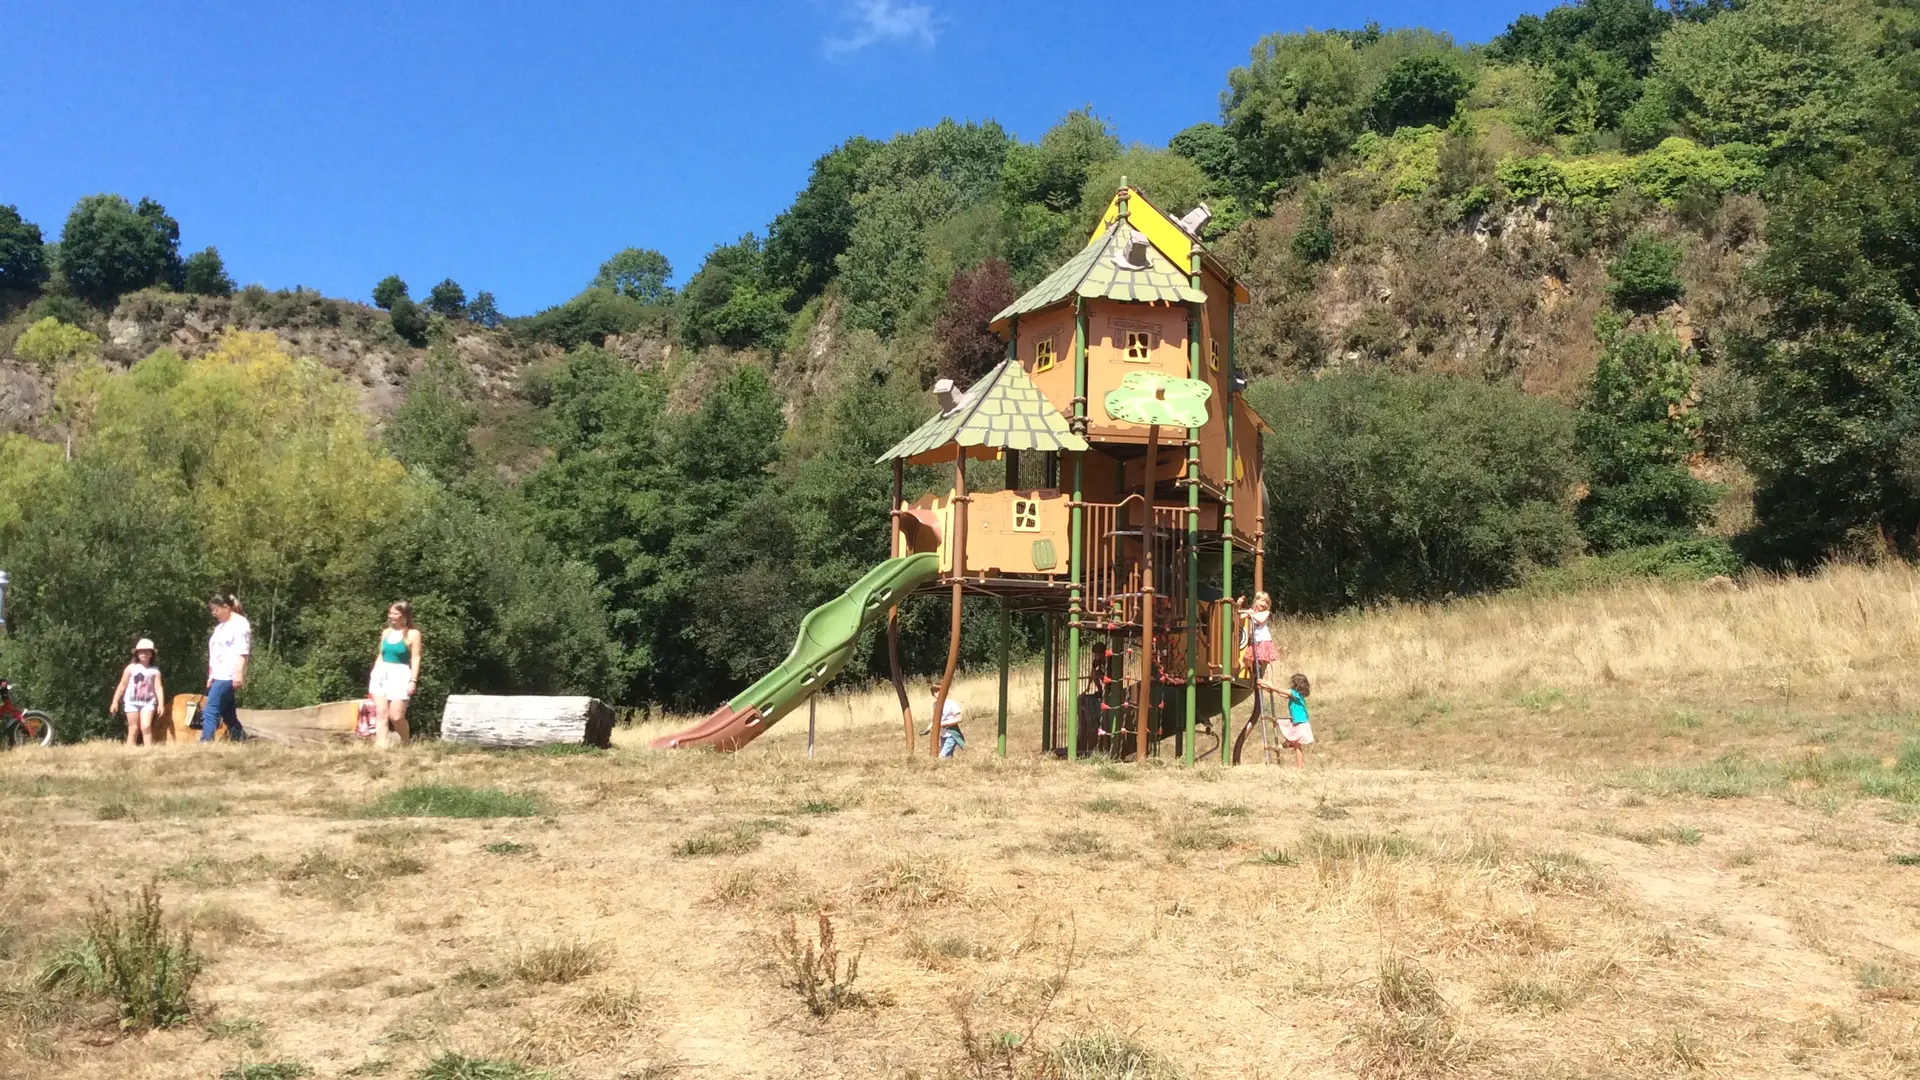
column 1645, row 275
column 130, row 956
column 455, row 1066
column 1637, row 430
column 1693, row 559
column 1386, row 486
column 452, row 801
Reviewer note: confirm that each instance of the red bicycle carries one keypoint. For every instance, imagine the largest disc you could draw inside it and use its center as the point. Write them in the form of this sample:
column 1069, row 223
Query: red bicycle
column 18, row 726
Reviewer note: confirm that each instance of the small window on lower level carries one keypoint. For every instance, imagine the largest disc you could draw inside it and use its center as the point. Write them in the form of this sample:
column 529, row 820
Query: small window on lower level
column 1043, row 355
column 1213, row 355
column 1026, row 515
column 1139, row 345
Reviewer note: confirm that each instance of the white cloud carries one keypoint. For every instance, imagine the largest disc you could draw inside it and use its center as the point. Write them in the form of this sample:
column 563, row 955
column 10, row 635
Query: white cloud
column 882, row 22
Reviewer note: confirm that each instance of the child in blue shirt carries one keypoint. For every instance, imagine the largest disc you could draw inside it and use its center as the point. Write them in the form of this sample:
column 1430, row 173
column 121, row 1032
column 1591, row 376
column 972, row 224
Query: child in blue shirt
column 1297, row 732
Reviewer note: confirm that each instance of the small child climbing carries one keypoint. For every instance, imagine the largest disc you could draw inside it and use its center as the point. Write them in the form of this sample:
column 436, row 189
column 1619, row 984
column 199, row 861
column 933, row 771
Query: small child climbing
column 950, row 738
column 1297, row 732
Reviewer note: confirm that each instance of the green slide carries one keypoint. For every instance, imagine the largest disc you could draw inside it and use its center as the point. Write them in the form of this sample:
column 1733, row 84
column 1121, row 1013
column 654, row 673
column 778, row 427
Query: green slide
column 827, row 638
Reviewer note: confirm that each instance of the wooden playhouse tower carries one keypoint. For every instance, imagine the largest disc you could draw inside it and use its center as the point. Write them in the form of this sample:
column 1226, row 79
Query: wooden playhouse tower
column 1129, row 540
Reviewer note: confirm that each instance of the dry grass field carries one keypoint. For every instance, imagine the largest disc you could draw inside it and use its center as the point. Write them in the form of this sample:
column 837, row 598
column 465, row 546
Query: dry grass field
column 1648, row 832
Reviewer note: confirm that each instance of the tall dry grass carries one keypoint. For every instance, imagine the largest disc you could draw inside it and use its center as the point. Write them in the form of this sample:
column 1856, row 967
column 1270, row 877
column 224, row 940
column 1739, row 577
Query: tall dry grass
column 1848, row 632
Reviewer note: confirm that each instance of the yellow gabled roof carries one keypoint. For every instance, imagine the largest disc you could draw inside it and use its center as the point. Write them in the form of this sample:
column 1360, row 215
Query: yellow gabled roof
column 1160, row 230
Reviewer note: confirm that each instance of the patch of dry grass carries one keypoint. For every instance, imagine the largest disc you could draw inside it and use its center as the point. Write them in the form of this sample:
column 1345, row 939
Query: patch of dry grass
column 1500, row 861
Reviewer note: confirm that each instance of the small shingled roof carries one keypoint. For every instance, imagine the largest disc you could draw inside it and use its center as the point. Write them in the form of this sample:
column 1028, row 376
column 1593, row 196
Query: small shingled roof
column 1003, row 410
column 1095, row 273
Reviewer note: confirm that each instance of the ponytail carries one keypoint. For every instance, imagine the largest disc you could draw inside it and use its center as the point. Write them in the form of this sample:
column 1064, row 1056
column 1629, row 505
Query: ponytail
column 226, row 600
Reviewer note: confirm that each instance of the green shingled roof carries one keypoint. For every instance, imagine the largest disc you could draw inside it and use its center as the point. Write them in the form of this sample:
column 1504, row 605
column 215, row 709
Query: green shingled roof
column 1094, row 273
column 1003, row 410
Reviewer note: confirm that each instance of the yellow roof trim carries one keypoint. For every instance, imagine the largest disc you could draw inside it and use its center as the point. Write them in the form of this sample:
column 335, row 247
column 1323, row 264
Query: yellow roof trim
column 1161, row 231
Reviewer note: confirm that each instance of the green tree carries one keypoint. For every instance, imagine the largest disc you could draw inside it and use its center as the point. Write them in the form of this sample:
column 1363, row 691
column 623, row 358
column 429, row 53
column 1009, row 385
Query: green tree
column 1793, row 76
column 431, row 430
column 730, row 302
column 448, row 299
column 484, row 310
column 1418, row 91
column 805, row 240
column 23, row 252
column 388, row 290
column 1645, row 274
column 1169, row 181
column 1304, row 98
column 1636, row 430
column 1053, row 171
column 205, row 274
column 591, row 318
column 51, row 344
column 110, row 247
column 641, row 273
column 1834, row 436
column 409, row 321
column 1384, row 486
column 1210, row 147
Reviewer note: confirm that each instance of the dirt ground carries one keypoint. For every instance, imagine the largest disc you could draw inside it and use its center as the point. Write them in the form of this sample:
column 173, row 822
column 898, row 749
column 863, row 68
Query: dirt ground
column 1577, row 878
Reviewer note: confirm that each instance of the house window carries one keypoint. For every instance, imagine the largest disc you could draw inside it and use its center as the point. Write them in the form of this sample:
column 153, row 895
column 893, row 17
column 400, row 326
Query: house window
column 1043, row 355
column 1026, row 515
column 1139, row 344
column 1213, row 355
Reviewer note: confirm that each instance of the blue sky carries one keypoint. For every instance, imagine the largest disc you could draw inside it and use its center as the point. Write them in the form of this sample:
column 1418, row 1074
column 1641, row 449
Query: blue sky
column 513, row 146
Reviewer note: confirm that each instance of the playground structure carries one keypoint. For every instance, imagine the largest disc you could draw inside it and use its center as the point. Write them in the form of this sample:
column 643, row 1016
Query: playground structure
column 1120, row 379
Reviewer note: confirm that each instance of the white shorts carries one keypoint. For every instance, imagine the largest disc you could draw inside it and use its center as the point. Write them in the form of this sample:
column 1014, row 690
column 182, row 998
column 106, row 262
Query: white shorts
column 391, row 681
column 133, row 708
column 1296, row 733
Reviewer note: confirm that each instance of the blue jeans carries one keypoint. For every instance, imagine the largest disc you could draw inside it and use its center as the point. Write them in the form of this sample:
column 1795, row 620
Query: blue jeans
column 951, row 740
column 219, row 709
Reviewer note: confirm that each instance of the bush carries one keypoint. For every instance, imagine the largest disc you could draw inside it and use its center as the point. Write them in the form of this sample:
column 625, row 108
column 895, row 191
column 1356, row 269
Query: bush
column 409, row 321
column 591, row 318
column 1645, row 274
column 1385, row 486
column 452, row 801
column 448, row 298
column 1695, row 559
column 51, row 344
column 1636, row 429
column 206, row 274
column 130, row 957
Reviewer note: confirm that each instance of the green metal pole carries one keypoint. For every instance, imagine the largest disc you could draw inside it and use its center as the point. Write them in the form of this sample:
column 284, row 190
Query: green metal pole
column 1006, row 653
column 1076, row 562
column 1226, row 561
column 1193, row 526
column 1048, row 688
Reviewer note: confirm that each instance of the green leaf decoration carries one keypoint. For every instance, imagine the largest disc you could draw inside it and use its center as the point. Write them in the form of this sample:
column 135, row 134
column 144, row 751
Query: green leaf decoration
column 1148, row 397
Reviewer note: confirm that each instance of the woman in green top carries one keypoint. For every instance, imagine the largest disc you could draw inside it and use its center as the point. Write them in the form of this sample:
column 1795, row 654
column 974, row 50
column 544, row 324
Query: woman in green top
column 396, row 673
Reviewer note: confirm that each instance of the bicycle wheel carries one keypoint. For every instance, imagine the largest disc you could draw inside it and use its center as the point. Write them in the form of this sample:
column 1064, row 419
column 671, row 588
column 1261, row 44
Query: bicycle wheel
column 36, row 726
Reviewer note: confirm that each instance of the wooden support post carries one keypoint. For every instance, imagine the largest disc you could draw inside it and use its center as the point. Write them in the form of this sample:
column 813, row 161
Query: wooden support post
column 812, row 723
column 958, row 545
column 1077, row 539
column 897, row 548
column 1194, row 327
column 1232, row 621
column 1146, row 602
column 1006, row 656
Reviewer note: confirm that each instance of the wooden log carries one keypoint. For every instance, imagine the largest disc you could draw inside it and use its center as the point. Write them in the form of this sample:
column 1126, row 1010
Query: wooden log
column 509, row 722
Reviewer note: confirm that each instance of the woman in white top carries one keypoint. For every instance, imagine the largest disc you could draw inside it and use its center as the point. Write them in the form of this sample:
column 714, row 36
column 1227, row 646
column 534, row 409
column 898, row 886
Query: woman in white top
column 227, row 653
column 396, row 673
column 141, row 692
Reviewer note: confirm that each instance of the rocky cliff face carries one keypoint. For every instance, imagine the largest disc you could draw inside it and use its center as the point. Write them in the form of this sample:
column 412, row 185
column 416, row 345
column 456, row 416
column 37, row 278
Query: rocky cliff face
column 350, row 338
